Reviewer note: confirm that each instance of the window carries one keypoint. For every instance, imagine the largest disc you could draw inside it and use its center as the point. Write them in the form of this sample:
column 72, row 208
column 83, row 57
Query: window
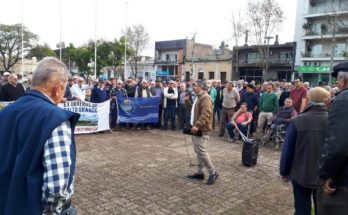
column 200, row 75
column 250, row 74
column 187, row 75
column 253, row 57
column 222, row 76
column 211, row 75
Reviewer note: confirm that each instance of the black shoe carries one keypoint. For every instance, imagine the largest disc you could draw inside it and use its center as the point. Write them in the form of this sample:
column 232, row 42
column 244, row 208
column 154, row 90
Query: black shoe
column 197, row 176
column 212, row 178
column 221, row 135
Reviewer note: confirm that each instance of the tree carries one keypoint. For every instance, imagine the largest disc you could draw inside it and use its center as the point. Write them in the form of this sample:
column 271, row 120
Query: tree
column 237, row 31
column 138, row 40
column 265, row 17
column 41, row 51
column 11, row 44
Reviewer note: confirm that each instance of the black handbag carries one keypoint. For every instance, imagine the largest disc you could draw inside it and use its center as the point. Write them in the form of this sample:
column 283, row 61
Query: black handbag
column 187, row 130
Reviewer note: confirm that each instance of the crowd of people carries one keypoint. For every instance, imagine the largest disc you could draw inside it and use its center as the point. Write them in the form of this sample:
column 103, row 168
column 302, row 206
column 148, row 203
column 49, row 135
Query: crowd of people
column 313, row 157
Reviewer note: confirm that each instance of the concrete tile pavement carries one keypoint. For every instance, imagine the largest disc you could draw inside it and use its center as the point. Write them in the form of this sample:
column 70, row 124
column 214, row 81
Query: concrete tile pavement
column 144, row 172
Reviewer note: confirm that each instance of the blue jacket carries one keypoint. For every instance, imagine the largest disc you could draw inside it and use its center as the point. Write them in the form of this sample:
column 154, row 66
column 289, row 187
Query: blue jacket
column 25, row 126
column 98, row 95
column 251, row 100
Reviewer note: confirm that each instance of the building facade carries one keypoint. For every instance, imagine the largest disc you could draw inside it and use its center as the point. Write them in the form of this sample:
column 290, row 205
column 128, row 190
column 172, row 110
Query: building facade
column 321, row 35
column 251, row 64
column 186, row 59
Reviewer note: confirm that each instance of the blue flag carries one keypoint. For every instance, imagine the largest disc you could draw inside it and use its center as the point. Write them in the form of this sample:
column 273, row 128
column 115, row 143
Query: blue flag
column 138, row 110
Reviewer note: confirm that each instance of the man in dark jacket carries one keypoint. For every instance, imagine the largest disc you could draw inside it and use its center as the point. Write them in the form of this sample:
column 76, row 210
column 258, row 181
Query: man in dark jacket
column 302, row 148
column 333, row 168
column 12, row 90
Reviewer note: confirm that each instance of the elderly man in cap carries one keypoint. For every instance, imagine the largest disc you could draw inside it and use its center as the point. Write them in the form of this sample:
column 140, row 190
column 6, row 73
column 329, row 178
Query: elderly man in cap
column 302, row 150
column 201, row 121
column 333, row 165
column 5, row 78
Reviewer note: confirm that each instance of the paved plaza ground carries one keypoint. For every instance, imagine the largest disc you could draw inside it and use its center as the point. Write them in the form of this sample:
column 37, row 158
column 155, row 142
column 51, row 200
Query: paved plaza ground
column 144, row 172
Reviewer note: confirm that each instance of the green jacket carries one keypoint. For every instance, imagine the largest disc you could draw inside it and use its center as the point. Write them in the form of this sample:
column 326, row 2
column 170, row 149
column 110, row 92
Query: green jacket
column 213, row 94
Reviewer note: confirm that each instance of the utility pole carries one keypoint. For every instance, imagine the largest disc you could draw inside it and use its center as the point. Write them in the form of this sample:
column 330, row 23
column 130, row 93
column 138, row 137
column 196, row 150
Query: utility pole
column 95, row 39
column 264, row 75
column 125, row 42
column 60, row 30
column 193, row 50
column 22, row 68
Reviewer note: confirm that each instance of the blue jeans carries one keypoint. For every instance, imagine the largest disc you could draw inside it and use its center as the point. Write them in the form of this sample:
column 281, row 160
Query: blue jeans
column 230, row 127
column 303, row 201
column 169, row 110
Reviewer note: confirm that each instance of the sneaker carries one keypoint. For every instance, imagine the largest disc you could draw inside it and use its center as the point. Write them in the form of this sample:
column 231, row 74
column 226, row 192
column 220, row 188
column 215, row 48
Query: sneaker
column 197, row 176
column 229, row 139
column 221, row 135
column 212, row 178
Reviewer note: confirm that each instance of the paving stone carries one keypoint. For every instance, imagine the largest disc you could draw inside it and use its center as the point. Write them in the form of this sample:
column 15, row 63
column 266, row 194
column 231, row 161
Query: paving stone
column 144, row 172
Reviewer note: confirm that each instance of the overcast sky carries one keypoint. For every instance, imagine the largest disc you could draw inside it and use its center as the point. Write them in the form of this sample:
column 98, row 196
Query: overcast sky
column 163, row 19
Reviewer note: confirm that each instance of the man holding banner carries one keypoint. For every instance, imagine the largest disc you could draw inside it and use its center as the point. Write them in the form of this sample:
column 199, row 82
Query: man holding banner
column 37, row 147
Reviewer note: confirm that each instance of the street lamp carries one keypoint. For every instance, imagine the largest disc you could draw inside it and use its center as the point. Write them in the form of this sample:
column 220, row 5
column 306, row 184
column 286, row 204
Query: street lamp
column 266, row 69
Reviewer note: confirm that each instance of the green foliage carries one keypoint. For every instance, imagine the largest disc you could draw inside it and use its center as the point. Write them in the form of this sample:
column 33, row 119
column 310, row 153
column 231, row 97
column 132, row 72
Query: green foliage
column 41, row 51
column 11, row 44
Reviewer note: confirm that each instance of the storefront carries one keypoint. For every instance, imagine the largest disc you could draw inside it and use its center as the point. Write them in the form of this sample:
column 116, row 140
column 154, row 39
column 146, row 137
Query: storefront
column 314, row 74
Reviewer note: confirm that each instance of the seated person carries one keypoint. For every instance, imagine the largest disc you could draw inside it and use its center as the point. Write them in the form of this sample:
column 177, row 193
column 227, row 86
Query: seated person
column 284, row 115
column 242, row 118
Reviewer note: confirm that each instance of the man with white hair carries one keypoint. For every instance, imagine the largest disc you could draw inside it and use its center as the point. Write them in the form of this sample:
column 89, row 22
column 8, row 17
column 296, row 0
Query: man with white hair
column 38, row 154
column 12, row 90
column 78, row 90
column 333, row 165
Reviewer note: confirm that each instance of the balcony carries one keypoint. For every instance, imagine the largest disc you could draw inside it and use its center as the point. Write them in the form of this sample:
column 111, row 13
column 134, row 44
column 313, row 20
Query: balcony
column 272, row 61
column 326, row 10
column 166, row 62
column 316, row 56
column 342, row 32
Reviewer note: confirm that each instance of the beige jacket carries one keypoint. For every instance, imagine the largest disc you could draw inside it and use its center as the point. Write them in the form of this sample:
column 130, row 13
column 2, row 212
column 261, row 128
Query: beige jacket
column 203, row 112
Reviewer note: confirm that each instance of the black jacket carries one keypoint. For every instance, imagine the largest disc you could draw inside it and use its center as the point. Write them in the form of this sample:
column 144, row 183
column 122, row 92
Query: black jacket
column 310, row 128
column 334, row 158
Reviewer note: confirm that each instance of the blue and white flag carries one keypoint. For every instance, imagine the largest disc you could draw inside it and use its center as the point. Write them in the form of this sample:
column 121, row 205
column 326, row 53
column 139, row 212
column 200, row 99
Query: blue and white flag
column 138, row 110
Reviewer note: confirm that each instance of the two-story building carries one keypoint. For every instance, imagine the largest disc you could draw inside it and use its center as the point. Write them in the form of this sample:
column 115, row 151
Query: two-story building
column 185, row 59
column 251, row 64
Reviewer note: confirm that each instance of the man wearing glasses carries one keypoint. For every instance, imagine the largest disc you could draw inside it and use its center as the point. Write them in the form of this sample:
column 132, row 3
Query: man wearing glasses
column 78, row 90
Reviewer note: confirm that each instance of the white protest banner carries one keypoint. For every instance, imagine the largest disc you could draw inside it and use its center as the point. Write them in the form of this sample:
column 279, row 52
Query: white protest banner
column 94, row 116
column 4, row 104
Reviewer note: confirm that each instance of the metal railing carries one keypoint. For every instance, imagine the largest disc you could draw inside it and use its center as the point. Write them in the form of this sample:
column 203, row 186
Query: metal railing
column 270, row 60
column 322, row 55
column 327, row 9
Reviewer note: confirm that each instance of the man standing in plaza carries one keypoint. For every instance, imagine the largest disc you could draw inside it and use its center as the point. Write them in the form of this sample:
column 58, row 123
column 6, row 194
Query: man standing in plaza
column 230, row 100
column 37, row 147
column 201, row 121
column 299, row 96
column 268, row 106
column 333, row 166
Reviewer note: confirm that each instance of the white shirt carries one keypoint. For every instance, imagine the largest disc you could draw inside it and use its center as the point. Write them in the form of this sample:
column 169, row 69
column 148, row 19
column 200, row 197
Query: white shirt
column 193, row 111
column 80, row 92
